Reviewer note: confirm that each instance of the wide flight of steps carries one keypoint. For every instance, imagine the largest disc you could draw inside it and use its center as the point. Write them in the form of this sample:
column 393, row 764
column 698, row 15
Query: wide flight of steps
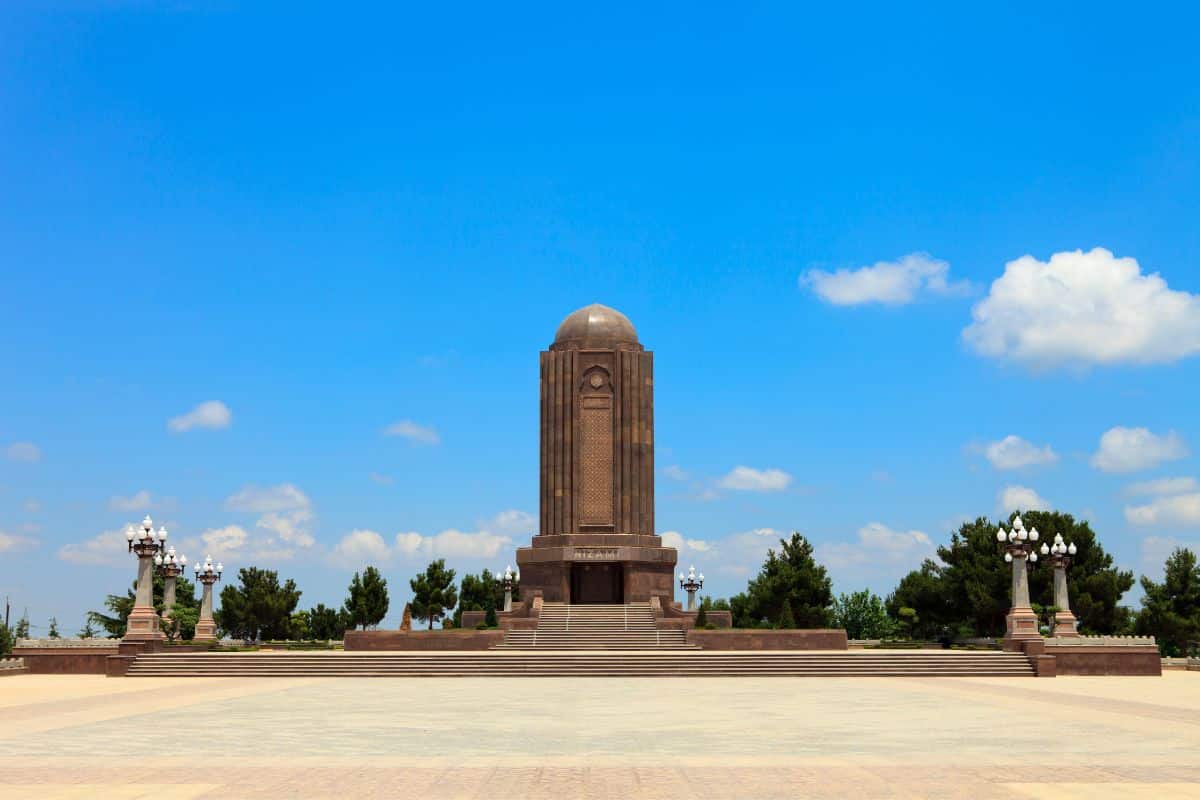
column 596, row 627
column 524, row 663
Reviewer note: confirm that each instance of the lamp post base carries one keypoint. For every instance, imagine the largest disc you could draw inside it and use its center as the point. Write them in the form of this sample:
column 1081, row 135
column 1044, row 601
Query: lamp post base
column 1022, row 625
column 206, row 631
column 143, row 625
column 1065, row 624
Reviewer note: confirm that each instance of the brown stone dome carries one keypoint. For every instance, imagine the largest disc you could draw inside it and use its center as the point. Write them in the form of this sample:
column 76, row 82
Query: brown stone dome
column 595, row 326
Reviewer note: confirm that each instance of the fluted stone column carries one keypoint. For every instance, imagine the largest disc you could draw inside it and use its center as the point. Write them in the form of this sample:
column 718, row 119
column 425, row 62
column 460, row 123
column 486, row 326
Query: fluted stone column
column 168, row 595
column 1065, row 623
column 143, row 623
column 1022, row 623
column 206, row 627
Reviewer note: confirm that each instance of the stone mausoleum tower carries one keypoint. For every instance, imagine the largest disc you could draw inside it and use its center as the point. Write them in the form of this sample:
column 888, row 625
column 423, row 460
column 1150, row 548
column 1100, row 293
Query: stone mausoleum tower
column 596, row 541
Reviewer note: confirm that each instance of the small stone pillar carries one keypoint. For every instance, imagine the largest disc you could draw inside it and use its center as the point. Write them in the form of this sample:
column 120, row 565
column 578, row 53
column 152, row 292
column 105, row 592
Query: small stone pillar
column 206, row 627
column 1022, row 622
column 143, row 622
column 1065, row 623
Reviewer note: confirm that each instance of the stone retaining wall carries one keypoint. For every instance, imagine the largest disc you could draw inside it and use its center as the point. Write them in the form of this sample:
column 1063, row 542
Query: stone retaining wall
column 459, row 639
column 750, row 639
column 67, row 657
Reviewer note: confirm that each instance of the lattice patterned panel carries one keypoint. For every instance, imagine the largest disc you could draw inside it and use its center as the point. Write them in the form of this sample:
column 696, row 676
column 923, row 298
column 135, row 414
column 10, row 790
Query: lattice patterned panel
column 596, row 457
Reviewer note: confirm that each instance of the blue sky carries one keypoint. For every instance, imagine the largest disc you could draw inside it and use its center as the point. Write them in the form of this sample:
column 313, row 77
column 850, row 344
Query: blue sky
column 330, row 226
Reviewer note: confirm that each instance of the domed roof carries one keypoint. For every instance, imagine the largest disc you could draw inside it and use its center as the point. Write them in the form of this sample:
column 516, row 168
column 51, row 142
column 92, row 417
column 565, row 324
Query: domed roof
column 596, row 325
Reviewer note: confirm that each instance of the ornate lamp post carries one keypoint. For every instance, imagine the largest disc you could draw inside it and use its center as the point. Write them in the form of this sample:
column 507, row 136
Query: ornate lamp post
column 691, row 584
column 509, row 580
column 1019, row 545
column 206, row 627
column 143, row 624
column 171, row 568
column 1061, row 554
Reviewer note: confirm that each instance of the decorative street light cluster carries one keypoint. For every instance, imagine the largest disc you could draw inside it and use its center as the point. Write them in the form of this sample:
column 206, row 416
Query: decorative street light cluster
column 143, row 622
column 511, row 578
column 207, row 574
column 1019, row 546
column 1061, row 555
column 171, row 567
column 691, row 583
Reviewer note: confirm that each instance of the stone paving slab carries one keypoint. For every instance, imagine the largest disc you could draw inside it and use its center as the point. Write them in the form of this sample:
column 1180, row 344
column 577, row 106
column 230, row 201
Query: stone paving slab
column 977, row 738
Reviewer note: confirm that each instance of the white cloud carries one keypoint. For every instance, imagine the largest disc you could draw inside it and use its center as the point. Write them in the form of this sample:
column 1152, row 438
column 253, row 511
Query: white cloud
column 289, row 526
column 755, row 480
column 511, row 523
column 1156, row 549
column 675, row 472
column 1021, row 498
column 24, row 451
column 453, row 543
column 1134, row 449
column 229, row 539
column 381, row 479
column 32, row 506
column 418, row 434
column 211, row 415
column 261, row 499
column 1162, row 486
column 876, row 545
column 892, row 283
column 409, row 544
column 1013, row 452
column 1179, row 510
column 1081, row 309
column 362, row 547
column 676, row 540
column 136, row 502
column 10, row 543
column 105, row 549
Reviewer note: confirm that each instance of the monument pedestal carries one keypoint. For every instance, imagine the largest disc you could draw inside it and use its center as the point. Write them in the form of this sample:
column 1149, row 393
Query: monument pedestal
column 143, row 626
column 1065, row 624
column 206, row 631
column 598, row 568
column 1022, row 626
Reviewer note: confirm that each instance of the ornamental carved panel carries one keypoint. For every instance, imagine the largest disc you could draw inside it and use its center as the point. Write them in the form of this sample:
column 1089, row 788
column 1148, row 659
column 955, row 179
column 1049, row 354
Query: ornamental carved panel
column 596, row 461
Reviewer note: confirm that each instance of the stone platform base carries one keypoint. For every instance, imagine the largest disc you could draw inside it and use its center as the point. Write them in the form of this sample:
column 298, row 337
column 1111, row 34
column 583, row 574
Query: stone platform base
column 748, row 639
column 422, row 641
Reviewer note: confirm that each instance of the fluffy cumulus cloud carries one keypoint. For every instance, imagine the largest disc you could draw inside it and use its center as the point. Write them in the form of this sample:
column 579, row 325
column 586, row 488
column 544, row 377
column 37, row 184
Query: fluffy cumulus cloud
column 1135, row 449
column 1021, row 498
column 1013, row 452
column 104, row 549
column 892, row 283
column 209, row 415
column 748, row 479
column 417, row 434
column 876, row 546
column 27, row 452
column 360, row 548
column 139, row 501
column 494, row 538
column 11, row 543
column 1162, row 486
column 283, row 525
column 685, row 546
column 1174, row 503
column 675, row 472
column 1081, row 309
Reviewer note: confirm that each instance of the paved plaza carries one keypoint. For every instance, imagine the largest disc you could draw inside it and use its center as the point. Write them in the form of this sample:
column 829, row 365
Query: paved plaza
column 978, row 738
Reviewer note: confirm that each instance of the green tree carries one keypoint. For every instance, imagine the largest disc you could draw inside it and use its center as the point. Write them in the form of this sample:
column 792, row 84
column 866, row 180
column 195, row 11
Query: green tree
column 119, row 607
column 701, row 616
column 1171, row 609
column 792, row 575
column 182, row 618
column 711, row 604
column 7, row 640
column 787, row 620
column 88, row 631
column 367, row 604
column 489, row 616
column 476, row 590
column 52, row 631
column 918, row 604
column 863, row 615
column 260, row 608
column 326, row 623
column 22, row 629
column 433, row 592
column 968, row 589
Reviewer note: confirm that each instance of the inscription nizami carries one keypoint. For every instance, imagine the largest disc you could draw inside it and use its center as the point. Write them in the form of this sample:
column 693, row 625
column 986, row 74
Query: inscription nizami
column 594, row 554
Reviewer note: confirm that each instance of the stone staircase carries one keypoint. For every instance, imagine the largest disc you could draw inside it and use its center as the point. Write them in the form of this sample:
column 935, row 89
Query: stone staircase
column 524, row 663
column 596, row 627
